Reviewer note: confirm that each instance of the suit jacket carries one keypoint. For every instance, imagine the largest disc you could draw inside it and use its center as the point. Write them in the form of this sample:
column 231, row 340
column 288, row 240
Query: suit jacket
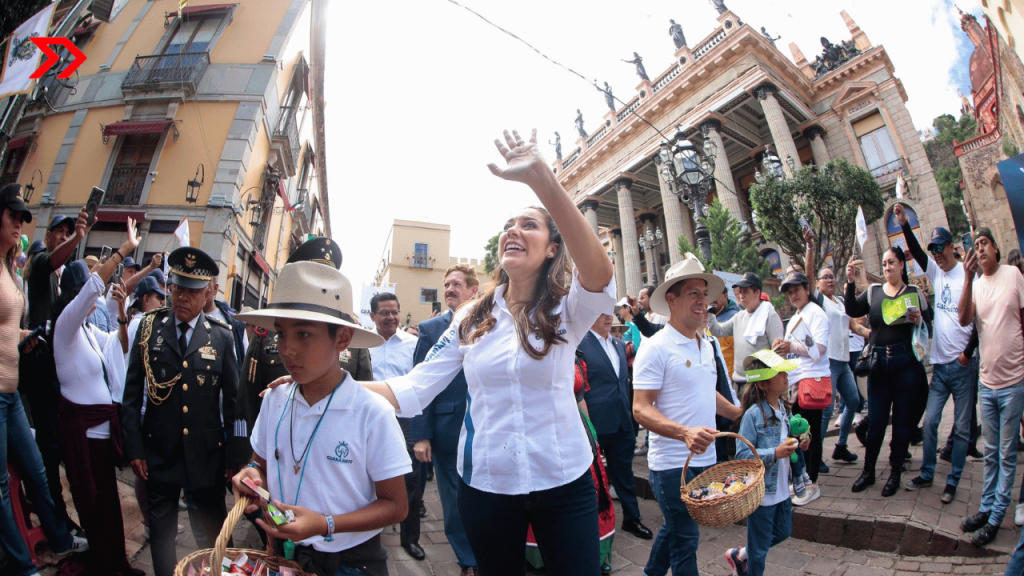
column 608, row 398
column 237, row 329
column 182, row 438
column 441, row 421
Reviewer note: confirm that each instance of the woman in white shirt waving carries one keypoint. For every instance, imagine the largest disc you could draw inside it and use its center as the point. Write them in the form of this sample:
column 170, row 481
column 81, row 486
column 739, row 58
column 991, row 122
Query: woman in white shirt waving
column 524, row 457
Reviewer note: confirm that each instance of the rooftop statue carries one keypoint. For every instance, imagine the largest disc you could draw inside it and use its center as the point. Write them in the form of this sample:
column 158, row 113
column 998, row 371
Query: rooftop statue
column 640, row 70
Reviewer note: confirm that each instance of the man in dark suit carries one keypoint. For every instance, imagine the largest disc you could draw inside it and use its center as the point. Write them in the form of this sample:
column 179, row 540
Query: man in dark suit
column 609, row 408
column 184, row 363
column 437, row 430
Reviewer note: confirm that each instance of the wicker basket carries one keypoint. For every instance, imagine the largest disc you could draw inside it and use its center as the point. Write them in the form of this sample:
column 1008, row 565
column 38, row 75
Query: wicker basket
column 220, row 549
column 733, row 507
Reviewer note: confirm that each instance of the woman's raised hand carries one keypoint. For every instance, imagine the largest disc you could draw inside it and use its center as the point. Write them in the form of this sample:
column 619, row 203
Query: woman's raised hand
column 851, row 270
column 525, row 164
column 133, row 234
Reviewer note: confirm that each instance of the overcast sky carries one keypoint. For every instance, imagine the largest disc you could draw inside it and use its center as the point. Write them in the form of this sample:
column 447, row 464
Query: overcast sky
column 418, row 89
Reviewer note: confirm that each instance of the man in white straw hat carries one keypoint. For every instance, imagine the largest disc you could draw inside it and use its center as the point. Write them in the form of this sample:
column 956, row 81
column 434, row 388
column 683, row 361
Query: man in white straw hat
column 342, row 476
column 675, row 397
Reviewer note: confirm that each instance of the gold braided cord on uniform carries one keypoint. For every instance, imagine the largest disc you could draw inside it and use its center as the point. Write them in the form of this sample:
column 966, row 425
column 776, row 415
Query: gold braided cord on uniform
column 154, row 388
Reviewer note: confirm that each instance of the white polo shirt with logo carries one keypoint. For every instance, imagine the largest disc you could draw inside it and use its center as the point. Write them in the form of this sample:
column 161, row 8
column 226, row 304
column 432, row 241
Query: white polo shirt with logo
column 686, row 379
column 358, row 443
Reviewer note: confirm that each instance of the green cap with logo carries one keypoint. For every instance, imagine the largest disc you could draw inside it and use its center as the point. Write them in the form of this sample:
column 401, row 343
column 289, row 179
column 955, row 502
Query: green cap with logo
column 769, row 364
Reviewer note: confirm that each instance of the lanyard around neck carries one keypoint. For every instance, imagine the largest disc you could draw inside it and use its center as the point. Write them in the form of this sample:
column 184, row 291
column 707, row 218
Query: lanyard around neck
column 277, row 456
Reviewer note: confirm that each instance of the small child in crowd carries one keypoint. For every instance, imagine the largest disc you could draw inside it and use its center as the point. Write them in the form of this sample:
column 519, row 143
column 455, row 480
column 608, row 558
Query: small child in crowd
column 765, row 424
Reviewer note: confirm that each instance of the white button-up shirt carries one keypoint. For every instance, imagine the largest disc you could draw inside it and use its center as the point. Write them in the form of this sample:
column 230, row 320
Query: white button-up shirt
column 522, row 432
column 609, row 350
column 393, row 358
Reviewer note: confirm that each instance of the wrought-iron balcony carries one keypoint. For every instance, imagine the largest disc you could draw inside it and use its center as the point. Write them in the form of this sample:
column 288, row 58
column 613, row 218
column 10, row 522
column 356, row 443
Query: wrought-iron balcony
column 421, row 261
column 286, row 139
column 166, row 72
column 886, row 174
column 126, row 184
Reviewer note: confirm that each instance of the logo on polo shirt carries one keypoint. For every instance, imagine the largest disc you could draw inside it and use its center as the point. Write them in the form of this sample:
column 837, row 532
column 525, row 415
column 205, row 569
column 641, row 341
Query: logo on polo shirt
column 341, row 454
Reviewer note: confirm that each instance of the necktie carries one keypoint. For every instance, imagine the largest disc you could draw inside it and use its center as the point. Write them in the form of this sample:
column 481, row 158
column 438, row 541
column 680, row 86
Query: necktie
column 183, row 338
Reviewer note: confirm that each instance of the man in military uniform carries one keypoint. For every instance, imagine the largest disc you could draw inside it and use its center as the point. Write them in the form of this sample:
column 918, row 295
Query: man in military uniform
column 262, row 365
column 183, row 363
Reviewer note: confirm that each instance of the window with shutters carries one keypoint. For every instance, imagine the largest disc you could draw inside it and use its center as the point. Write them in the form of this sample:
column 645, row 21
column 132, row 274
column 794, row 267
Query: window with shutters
column 128, row 176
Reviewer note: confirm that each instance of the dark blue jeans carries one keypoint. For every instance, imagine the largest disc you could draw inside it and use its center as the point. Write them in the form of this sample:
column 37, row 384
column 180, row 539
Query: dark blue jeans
column 564, row 521
column 766, row 527
column 16, row 443
column 676, row 543
column 447, row 476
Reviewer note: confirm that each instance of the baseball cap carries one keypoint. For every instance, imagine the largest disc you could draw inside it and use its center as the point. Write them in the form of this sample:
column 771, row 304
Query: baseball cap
column 10, row 197
column 75, row 275
column 772, row 362
column 940, row 237
column 795, row 279
column 749, row 280
column 59, row 220
column 147, row 285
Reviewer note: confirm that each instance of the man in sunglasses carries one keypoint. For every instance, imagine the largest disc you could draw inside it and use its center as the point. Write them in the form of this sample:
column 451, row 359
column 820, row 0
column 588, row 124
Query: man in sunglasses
column 955, row 367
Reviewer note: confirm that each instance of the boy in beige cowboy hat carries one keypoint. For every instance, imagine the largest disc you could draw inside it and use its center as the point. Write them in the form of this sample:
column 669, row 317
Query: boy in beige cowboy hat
column 326, row 448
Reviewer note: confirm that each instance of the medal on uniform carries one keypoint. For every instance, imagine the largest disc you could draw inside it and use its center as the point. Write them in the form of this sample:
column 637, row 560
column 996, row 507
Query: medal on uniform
column 201, row 378
column 159, row 339
column 208, row 353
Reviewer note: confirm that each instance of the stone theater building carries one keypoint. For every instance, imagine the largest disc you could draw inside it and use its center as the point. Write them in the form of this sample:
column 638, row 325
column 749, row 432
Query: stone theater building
column 735, row 88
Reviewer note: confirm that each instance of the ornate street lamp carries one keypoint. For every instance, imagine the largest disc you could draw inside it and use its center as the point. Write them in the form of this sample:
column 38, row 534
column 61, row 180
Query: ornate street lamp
column 650, row 241
column 690, row 175
column 254, row 207
column 30, row 187
column 193, row 186
column 772, row 166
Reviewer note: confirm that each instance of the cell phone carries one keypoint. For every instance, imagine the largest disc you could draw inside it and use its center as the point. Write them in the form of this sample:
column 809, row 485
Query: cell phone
column 105, row 253
column 436, row 307
column 94, row 203
column 37, row 333
column 911, row 309
column 968, row 241
column 115, row 279
column 804, row 224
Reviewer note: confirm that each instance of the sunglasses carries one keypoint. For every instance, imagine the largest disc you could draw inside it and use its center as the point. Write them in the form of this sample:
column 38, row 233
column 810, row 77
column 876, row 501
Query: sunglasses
column 936, row 249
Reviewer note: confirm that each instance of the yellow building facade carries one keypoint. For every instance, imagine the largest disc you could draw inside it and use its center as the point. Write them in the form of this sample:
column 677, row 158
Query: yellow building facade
column 416, row 256
column 201, row 114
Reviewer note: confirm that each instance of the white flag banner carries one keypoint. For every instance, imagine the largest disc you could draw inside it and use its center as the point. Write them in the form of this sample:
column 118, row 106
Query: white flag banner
column 181, row 232
column 369, row 291
column 22, row 56
column 901, row 187
column 862, row 227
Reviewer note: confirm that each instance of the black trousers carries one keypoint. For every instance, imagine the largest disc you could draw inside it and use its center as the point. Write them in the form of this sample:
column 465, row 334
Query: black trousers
column 39, row 383
column 813, row 455
column 618, row 450
column 409, row 529
column 564, row 521
column 99, row 509
column 894, row 387
column 209, row 514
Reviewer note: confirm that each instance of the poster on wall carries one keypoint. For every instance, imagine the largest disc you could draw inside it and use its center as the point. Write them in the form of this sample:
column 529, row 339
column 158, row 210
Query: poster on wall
column 1012, row 173
column 369, row 291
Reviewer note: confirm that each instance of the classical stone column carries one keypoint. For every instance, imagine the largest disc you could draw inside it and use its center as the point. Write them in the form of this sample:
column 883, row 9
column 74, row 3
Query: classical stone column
column 674, row 220
column 784, row 145
column 589, row 209
column 724, row 183
column 620, row 263
column 647, row 219
column 630, row 249
column 816, row 134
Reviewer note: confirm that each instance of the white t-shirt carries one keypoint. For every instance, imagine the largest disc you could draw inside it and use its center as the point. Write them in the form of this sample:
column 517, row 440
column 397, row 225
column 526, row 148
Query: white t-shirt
column 856, row 342
column 839, row 329
column 810, row 327
column 357, row 444
column 949, row 338
column 82, row 352
column 782, row 487
column 686, row 379
column 522, row 432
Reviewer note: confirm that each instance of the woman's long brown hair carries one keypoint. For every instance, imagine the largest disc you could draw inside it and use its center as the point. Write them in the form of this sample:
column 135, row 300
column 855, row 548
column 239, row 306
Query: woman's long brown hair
column 533, row 317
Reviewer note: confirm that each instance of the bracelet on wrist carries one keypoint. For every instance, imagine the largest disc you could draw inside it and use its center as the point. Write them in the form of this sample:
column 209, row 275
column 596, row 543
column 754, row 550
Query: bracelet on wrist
column 329, row 536
column 254, row 464
column 122, row 321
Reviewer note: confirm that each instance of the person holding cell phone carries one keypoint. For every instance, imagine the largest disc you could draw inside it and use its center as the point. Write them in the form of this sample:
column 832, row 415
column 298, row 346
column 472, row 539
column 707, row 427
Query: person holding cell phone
column 894, row 384
column 91, row 369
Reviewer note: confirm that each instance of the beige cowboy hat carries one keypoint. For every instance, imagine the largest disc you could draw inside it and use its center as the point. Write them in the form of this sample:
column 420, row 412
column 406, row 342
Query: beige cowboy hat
column 312, row 291
column 685, row 269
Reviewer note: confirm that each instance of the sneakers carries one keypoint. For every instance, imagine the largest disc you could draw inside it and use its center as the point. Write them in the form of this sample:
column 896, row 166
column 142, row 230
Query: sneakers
column 842, row 454
column 985, row 534
column 78, row 545
column 1018, row 516
column 948, row 494
column 973, row 523
column 739, row 567
column 798, row 490
column 918, row 483
column 813, row 493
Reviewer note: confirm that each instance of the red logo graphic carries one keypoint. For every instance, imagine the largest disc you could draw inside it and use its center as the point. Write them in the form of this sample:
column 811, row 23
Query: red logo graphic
column 52, row 57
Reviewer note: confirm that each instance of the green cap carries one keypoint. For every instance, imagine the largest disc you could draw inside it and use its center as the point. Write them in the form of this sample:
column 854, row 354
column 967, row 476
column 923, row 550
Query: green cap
column 773, row 361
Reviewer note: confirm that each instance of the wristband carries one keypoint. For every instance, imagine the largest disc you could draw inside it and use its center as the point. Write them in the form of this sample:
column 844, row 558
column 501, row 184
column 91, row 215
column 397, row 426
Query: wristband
column 118, row 252
column 122, row 322
column 329, row 537
column 254, row 464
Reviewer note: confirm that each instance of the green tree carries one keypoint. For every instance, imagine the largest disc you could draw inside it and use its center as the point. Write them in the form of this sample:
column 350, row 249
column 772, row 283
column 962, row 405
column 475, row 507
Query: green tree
column 828, row 197
column 940, row 152
column 730, row 247
column 15, row 14
column 491, row 256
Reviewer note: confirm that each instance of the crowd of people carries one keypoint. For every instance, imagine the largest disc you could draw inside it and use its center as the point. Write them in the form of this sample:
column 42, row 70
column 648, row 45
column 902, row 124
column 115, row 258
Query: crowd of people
column 524, row 400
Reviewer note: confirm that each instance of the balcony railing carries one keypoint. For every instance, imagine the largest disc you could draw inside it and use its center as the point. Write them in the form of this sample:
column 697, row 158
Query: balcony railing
column 126, row 184
column 166, row 72
column 886, row 174
column 422, row 261
column 286, row 136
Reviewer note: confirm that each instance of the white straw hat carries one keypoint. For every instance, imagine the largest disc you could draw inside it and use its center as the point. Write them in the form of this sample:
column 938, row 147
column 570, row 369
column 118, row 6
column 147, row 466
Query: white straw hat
column 312, row 291
column 686, row 269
